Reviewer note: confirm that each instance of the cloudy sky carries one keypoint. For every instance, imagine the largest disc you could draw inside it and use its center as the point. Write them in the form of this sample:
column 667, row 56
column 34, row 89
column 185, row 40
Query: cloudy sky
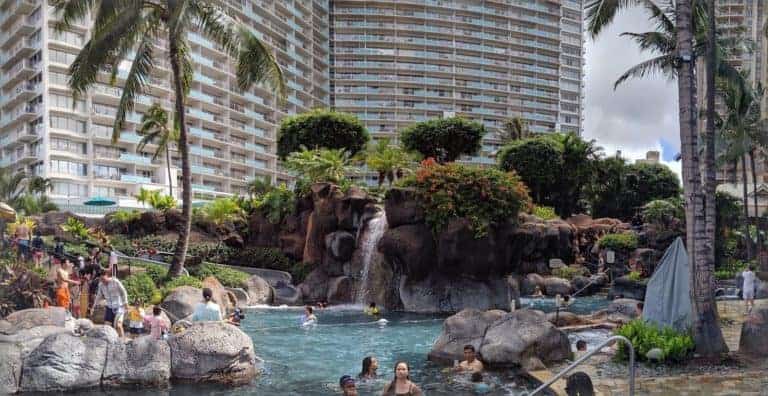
column 641, row 114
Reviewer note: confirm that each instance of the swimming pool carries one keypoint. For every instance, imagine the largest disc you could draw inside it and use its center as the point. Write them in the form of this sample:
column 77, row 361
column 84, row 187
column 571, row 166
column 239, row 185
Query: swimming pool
column 581, row 305
column 309, row 361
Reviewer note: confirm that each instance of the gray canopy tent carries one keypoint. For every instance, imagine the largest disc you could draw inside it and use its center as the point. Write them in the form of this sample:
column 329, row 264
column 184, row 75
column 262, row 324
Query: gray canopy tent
column 668, row 295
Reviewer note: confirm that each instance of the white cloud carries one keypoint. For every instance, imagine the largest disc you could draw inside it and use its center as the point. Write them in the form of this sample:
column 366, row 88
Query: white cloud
column 640, row 112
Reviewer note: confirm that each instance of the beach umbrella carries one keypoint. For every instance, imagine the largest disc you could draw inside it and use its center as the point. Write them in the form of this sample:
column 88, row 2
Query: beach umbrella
column 99, row 201
column 7, row 213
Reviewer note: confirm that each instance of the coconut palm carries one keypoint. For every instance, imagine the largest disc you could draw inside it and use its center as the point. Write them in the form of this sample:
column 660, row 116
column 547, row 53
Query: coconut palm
column 321, row 165
column 12, row 185
column 390, row 161
column 156, row 129
column 743, row 133
column 39, row 185
column 681, row 35
column 136, row 26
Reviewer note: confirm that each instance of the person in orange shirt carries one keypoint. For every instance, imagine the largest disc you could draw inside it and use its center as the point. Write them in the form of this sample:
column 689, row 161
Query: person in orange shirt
column 63, row 298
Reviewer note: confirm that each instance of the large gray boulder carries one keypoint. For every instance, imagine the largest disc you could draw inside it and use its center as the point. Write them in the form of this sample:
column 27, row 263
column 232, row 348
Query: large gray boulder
column 274, row 277
column 34, row 317
column 180, row 303
column 467, row 327
column 64, row 362
column 626, row 288
column 529, row 282
column 259, row 291
column 553, row 286
column 287, row 295
column 437, row 294
column 315, row 286
column 141, row 362
column 340, row 245
column 213, row 352
column 10, row 368
column 341, row 290
column 522, row 337
column 754, row 332
column 29, row 339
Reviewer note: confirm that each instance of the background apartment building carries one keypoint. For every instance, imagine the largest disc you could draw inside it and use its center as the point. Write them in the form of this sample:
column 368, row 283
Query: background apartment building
column 392, row 63
column 747, row 18
column 43, row 131
column 399, row 62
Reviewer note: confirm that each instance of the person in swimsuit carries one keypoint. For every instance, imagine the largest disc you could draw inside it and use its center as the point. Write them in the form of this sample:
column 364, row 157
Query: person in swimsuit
column 401, row 385
column 62, row 285
column 370, row 365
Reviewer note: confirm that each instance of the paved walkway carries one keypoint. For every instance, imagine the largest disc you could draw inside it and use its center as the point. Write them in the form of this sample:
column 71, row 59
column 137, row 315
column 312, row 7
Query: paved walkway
column 751, row 380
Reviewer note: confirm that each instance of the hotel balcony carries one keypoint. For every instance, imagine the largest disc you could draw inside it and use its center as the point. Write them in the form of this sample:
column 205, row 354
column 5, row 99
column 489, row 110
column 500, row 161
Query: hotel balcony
column 14, row 9
column 23, row 48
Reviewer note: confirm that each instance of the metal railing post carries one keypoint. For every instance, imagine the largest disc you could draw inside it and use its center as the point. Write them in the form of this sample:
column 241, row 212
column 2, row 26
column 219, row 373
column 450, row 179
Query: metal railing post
column 591, row 353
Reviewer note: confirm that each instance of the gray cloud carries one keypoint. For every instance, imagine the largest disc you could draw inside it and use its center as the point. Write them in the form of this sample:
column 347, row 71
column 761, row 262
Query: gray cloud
column 640, row 112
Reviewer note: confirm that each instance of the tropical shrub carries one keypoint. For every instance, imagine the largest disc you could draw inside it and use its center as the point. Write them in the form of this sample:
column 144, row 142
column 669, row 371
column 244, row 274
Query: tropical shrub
column 259, row 257
column 321, row 129
column 141, row 286
column 299, row 271
column 390, row 161
column 158, row 273
column 122, row 217
column 624, row 242
column 544, row 212
column 484, row 196
column 555, row 167
column 320, row 165
column 30, row 204
column 620, row 189
column 76, row 228
column 728, row 219
column 675, row 346
column 444, row 139
column 662, row 212
column 222, row 210
column 156, row 199
column 731, row 268
column 227, row 277
column 568, row 272
column 183, row 280
column 276, row 203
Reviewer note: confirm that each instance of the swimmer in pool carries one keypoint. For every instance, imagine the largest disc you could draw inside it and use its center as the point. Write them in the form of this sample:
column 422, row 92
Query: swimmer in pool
column 372, row 309
column 309, row 317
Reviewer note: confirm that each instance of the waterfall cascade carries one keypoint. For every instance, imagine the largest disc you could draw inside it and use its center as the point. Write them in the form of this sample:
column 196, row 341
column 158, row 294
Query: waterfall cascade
column 365, row 253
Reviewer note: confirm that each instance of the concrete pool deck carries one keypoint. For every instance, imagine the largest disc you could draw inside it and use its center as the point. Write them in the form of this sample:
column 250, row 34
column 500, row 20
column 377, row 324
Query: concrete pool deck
column 741, row 378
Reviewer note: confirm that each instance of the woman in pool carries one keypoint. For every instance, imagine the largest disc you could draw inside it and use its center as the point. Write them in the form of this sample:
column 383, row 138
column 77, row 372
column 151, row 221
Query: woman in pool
column 309, row 317
column 401, row 385
column 370, row 365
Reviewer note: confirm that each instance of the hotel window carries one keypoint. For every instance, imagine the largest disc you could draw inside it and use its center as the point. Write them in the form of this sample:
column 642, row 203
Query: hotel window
column 69, row 37
column 62, row 57
column 68, row 146
column 66, row 101
column 67, row 124
column 70, row 189
column 69, row 168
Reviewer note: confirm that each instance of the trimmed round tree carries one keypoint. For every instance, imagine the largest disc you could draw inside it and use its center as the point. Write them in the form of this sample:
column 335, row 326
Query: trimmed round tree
column 321, row 129
column 538, row 162
column 444, row 139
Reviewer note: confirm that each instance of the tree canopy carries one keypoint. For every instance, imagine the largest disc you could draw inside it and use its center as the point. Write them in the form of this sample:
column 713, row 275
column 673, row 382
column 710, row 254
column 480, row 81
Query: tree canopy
column 321, row 129
column 444, row 139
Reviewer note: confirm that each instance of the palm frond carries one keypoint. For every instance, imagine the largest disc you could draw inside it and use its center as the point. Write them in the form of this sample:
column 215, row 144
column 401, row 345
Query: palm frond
column 653, row 41
column 70, row 11
column 137, row 78
column 216, row 25
column 663, row 64
column 256, row 64
column 600, row 13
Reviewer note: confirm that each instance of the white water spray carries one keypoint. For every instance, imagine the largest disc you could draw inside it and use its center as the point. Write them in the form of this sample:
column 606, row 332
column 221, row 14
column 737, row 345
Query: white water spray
column 365, row 253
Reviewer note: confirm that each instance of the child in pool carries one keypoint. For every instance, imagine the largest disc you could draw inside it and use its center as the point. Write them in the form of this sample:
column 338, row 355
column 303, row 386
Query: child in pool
column 309, row 317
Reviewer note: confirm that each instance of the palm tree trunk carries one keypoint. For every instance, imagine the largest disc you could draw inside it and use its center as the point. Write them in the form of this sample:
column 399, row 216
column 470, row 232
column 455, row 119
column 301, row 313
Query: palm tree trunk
column 759, row 245
column 745, row 198
column 168, row 165
column 706, row 327
column 179, row 256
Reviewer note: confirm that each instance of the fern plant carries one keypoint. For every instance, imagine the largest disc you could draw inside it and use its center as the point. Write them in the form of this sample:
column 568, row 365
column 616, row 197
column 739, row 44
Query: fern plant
column 76, row 228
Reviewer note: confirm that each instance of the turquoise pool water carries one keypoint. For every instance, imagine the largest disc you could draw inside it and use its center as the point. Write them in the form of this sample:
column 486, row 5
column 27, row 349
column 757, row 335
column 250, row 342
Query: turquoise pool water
column 309, row 361
column 581, row 305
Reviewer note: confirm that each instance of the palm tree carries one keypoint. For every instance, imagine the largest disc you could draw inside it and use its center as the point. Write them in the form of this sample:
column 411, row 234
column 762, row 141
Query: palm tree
column 321, row 165
column 122, row 27
column 390, row 161
column 743, row 133
column 156, row 129
column 39, row 185
column 678, row 41
column 514, row 129
column 12, row 185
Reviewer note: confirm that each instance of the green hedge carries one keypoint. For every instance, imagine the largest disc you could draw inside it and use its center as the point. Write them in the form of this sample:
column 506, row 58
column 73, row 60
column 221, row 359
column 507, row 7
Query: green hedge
column 568, row 272
column 227, row 277
column 141, row 286
column 184, row 280
column 619, row 242
column 675, row 346
column 258, row 257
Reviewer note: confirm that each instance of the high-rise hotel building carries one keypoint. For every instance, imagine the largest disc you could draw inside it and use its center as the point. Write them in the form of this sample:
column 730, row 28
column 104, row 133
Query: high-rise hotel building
column 391, row 63
column 399, row 62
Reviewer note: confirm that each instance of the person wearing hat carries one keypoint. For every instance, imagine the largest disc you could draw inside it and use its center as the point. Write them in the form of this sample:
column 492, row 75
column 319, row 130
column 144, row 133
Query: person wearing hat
column 347, row 385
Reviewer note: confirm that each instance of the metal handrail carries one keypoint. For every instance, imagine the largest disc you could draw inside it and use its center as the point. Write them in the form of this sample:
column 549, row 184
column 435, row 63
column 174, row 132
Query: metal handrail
column 581, row 360
column 591, row 281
